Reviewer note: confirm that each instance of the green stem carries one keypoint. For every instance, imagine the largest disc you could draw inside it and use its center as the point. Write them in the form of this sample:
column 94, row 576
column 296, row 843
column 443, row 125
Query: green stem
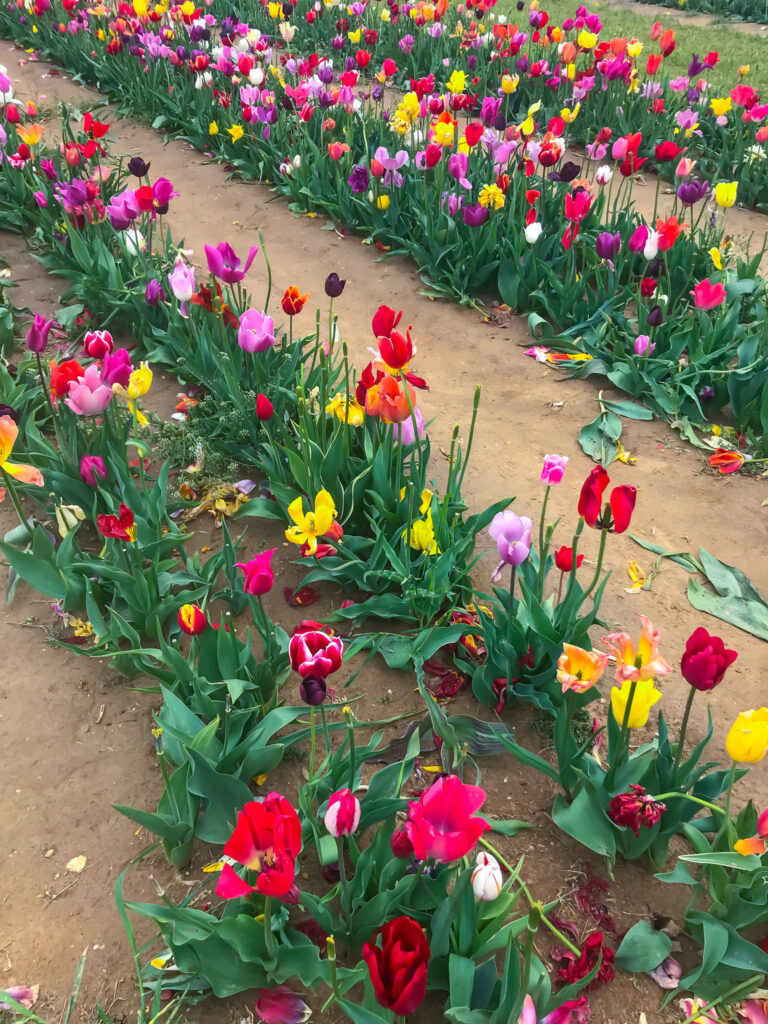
column 542, row 552
column 683, row 729
column 693, row 799
column 511, row 618
column 725, row 825
column 312, row 742
column 599, row 566
column 574, row 564
column 623, row 736
column 475, row 406
column 351, row 736
column 346, row 895
column 269, row 270
column 11, row 488
column 269, row 936
column 326, row 734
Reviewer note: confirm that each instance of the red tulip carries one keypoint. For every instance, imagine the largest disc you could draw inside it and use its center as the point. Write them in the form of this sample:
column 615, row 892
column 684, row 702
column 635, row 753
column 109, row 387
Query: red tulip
column 622, row 506
column 267, row 839
column 726, row 461
column 343, row 814
column 400, row 844
column 398, row 967
column 397, row 349
column 315, row 653
column 473, row 132
column 293, row 301
column 264, row 408
column 667, row 151
column 708, row 295
column 705, row 660
column 280, row 1006
column 564, row 559
column 591, row 497
column 617, row 513
column 192, row 619
column 384, row 321
column 441, row 824
column 62, row 376
column 120, row 527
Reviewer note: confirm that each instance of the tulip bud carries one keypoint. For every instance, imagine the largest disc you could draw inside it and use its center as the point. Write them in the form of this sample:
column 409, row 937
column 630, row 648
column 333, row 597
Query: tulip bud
column 533, row 232
column 343, row 814
column 264, row 408
column 486, row 878
column 138, row 167
column 400, row 844
column 192, row 620
column 313, row 690
column 12, row 114
column 37, row 335
column 334, row 285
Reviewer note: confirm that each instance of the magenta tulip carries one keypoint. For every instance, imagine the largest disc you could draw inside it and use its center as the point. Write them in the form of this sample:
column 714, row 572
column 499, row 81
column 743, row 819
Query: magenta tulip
column 553, row 470
column 259, row 576
column 441, row 823
column 708, row 295
column 92, row 466
column 224, row 263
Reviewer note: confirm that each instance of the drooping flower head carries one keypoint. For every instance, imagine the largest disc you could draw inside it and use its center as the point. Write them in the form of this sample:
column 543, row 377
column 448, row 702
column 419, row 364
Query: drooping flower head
column 635, row 809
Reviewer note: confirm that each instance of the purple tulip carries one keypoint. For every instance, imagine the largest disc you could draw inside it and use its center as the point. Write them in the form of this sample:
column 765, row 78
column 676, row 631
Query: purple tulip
column 404, row 431
column 358, row 179
column 655, row 316
column 37, row 335
column 691, row 192
column 512, row 534
column 92, row 466
column 154, row 293
column 256, row 331
column 607, row 245
column 707, row 393
column 224, row 263
column 88, row 395
column 475, row 215
column 73, row 194
column 49, row 169
column 116, row 368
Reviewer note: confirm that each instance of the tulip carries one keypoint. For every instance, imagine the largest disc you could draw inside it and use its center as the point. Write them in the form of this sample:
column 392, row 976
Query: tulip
column 311, row 525
column 553, row 469
column 655, row 316
column 182, row 282
column 708, row 294
column 343, row 814
column 224, row 263
column 725, row 460
column 486, row 878
column 293, row 301
column 400, row 845
column 398, row 968
column 256, row 331
column 404, row 432
column 617, row 514
column 441, row 823
column 578, row 670
column 533, row 232
column 9, row 431
column 139, row 382
column 512, row 534
column 138, row 168
column 259, row 576
column 643, row 345
column 280, row 1005
column 645, row 696
column 88, row 395
column 97, row 344
column 705, row 660
column 334, row 285
column 154, row 293
column 564, row 559
column 314, row 653
column 119, row 527
column 725, row 193
column 92, row 466
column 607, row 245
column 603, row 175
column 264, row 408
column 37, row 335
column 643, row 663
column 267, row 839
column 62, row 376
column 313, row 690
column 116, row 368
column 747, row 739
column 397, row 349
column 191, row 619
column 635, row 809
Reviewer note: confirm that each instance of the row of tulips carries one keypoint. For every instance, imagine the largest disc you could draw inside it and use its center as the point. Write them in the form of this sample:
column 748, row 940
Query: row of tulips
column 661, row 306
column 411, row 849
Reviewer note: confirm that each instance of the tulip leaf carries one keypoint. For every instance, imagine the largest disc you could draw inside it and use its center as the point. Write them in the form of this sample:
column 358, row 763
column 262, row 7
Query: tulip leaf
column 643, row 948
column 751, row 616
column 598, row 438
column 628, row 409
column 585, row 821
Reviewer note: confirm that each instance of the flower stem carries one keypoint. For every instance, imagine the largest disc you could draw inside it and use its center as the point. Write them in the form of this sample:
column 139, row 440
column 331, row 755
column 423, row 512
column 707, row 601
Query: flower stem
column 683, row 729
column 693, row 799
column 312, row 742
column 725, row 825
column 346, row 895
column 542, row 552
column 623, row 735
column 599, row 566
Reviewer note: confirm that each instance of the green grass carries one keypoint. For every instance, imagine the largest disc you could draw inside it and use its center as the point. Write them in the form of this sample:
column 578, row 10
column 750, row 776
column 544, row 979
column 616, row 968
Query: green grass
column 734, row 47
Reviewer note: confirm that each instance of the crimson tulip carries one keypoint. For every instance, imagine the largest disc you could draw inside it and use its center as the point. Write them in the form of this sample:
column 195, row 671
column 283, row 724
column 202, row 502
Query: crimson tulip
column 617, row 513
column 705, row 660
column 119, row 527
column 61, row 376
column 267, row 839
column 191, row 619
column 314, row 653
column 397, row 349
column 293, row 301
column 441, row 823
column 264, row 408
column 398, row 967
column 385, row 320
column 564, row 559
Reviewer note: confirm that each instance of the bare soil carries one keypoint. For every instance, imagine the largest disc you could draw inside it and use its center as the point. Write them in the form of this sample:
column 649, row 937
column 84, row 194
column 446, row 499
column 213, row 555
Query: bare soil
column 77, row 737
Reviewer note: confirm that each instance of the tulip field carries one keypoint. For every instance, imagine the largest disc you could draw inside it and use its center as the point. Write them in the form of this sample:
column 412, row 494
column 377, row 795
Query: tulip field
column 383, row 444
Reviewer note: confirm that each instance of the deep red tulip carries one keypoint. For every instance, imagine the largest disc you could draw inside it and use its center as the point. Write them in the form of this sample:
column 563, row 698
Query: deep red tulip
column 267, row 839
column 397, row 349
column 120, row 527
column 667, row 151
column 384, row 321
column 398, row 967
column 635, row 809
column 264, row 408
column 705, row 660
column 622, row 506
column 591, row 497
column 564, row 559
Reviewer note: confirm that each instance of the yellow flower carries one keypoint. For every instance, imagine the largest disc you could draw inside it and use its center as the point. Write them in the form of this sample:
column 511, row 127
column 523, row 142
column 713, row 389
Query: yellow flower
column 646, row 695
column 67, row 518
column 491, row 196
column 744, row 69
column 747, row 740
column 213, row 128
column 725, row 193
column 236, row 132
column 509, row 83
column 634, row 81
column 720, row 105
column 410, row 105
column 385, row 14
column 31, row 135
column 571, row 71
column 442, row 133
column 354, row 37
column 579, row 670
column 311, row 525
column 421, row 536
column 382, row 203
column 275, row 9
column 528, row 126
column 140, row 7
column 139, row 382
column 717, row 257
column 586, row 40
column 134, row 410
column 569, row 116
column 348, row 413
column 456, row 82
column 8, row 434
column 634, row 48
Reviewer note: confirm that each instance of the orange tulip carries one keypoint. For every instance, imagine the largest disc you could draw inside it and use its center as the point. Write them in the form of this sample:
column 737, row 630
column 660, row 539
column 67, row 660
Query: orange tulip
column 579, row 670
column 8, row 434
column 30, row 134
column 389, row 401
column 726, row 461
column 293, row 300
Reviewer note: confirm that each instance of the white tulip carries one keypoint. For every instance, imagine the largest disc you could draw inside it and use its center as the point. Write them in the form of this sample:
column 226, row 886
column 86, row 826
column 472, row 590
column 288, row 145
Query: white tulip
column 533, row 232
column 486, row 878
column 603, row 174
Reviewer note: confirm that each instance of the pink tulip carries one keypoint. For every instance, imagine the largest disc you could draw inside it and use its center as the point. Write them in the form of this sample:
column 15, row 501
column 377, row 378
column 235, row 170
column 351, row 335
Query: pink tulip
column 343, row 814
column 280, row 1006
column 553, row 470
column 22, row 994
column 256, row 332
column 88, row 396
column 314, row 653
column 91, row 467
column 259, row 577
column 708, row 295
column 441, row 823
column 116, row 368
column 644, row 345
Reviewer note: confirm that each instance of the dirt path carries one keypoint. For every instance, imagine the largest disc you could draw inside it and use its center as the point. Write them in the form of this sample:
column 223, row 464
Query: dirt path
column 70, row 761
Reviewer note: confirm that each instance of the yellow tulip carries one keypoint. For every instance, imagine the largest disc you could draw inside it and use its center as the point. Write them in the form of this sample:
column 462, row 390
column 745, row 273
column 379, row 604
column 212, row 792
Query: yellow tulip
column 509, row 83
column 310, row 525
column 351, row 412
column 421, row 536
column 491, row 196
column 747, row 739
column 456, row 82
column 586, row 40
column 354, row 37
column 646, row 695
column 140, row 382
column 213, row 128
column 725, row 193
column 579, row 670
column 568, row 115
column 236, row 132
column 720, row 105
column 382, row 203
column 717, row 257
column 634, row 48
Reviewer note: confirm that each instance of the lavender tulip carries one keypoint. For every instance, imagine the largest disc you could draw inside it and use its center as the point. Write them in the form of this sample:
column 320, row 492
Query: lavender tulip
column 512, row 534
column 256, row 332
column 183, row 284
